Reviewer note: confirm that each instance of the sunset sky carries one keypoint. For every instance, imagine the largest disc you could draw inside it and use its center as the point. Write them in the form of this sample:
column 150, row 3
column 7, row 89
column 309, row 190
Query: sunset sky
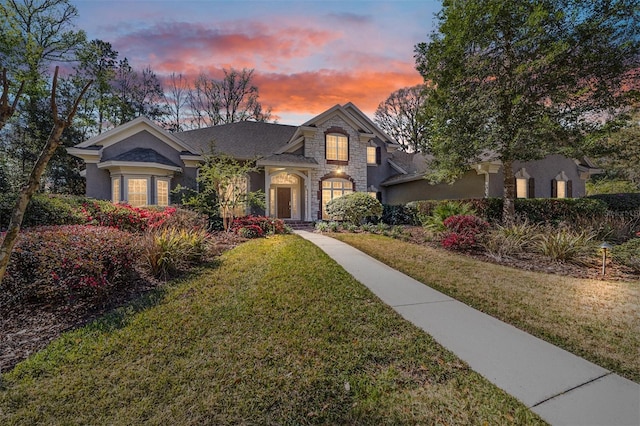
column 307, row 55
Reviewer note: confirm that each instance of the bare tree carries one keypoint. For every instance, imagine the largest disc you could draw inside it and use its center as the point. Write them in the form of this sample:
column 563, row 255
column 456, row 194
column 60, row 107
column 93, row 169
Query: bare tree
column 53, row 142
column 176, row 99
column 398, row 117
column 232, row 99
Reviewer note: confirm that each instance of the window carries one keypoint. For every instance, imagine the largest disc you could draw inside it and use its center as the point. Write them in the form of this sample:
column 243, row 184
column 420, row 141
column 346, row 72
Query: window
column 137, row 192
column 162, row 192
column 337, row 147
column 233, row 197
column 334, row 188
column 561, row 186
column 372, row 155
column 561, row 189
column 521, row 187
column 115, row 190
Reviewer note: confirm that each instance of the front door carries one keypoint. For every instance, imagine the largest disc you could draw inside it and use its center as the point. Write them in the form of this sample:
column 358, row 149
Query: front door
column 283, row 201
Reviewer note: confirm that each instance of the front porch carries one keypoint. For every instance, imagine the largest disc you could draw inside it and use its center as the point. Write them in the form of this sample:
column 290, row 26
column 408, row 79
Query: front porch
column 288, row 187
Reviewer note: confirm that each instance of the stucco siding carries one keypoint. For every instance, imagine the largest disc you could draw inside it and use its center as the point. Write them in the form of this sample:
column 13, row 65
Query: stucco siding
column 543, row 171
column 98, row 183
column 470, row 185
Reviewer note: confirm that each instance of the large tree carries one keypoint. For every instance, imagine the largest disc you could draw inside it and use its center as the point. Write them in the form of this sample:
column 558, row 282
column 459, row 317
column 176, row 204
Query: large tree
column 522, row 79
column 398, row 116
column 233, row 98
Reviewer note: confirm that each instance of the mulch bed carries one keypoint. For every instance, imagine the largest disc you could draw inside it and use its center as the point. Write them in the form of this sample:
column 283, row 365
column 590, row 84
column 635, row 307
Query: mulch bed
column 27, row 328
column 538, row 263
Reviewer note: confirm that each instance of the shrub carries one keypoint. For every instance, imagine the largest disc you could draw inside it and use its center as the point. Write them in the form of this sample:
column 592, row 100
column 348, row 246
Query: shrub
column 443, row 211
column 185, row 219
column 628, row 254
column 619, row 202
column 616, row 226
column 64, row 262
column 267, row 226
column 565, row 245
column 354, row 208
column 463, row 232
column 614, row 186
column 399, row 214
column 125, row 217
column 168, row 251
column 44, row 210
column 505, row 240
column 555, row 210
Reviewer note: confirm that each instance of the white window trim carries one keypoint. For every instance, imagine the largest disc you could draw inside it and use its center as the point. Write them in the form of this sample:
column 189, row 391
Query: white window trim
column 145, row 177
column 157, row 198
column 337, row 150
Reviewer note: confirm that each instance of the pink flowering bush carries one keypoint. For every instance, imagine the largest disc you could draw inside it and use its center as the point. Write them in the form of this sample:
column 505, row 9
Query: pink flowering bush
column 257, row 226
column 462, row 232
column 51, row 264
column 125, row 217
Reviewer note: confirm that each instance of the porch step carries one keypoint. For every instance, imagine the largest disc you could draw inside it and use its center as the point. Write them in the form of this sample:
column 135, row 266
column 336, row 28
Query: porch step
column 298, row 225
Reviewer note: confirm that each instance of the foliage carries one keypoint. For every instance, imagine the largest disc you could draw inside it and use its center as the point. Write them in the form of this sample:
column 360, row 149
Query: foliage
column 520, row 80
column 443, row 210
column 44, row 209
column 398, row 117
column 628, row 254
column 539, row 210
column 462, row 232
column 53, row 264
column 223, row 184
column 354, row 208
column 125, row 217
column 611, row 186
column 257, row 226
column 613, row 226
column 401, row 214
column 507, row 240
column 323, row 226
column 617, row 151
column 565, row 245
column 168, row 251
column 619, row 202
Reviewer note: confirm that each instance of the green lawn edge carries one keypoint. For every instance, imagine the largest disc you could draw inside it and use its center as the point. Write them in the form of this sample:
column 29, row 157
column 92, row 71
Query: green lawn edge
column 277, row 333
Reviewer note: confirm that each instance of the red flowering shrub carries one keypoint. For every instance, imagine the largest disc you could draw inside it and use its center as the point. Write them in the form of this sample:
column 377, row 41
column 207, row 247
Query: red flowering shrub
column 64, row 262
column 463, row 232
column 125, row 217
column 266, row 225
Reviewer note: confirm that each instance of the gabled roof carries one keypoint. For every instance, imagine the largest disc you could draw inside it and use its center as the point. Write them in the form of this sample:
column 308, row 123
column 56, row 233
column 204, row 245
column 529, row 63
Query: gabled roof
column 242, row 140
column 131, row 128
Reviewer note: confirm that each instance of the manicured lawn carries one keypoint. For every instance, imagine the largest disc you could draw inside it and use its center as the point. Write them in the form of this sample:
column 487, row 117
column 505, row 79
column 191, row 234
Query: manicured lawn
column 598, row 320
column 275, row 334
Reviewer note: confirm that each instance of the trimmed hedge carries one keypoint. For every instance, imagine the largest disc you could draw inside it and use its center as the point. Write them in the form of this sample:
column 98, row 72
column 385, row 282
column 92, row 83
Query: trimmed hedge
column 399, row 214
column 539, row 210
column 354, row 208
column 55, row 263
column 619, row 202
column 43, row 210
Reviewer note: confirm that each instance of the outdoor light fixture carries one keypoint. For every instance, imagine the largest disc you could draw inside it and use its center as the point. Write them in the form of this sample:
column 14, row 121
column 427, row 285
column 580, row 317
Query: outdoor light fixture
column 604, row 246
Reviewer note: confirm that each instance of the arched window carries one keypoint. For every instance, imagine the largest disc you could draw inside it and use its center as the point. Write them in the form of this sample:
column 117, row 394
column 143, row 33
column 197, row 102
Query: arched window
column 334, row 188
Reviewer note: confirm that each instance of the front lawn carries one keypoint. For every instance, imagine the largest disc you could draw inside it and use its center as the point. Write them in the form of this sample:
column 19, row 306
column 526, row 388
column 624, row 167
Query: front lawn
column 276, row 334
column 597, row 320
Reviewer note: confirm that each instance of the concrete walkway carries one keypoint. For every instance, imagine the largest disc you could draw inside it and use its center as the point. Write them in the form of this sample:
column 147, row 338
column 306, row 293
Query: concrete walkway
column 562, row 388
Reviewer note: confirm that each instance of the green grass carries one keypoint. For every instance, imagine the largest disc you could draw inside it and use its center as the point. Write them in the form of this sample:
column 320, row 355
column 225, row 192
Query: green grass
column 597, row 320
column 276, row 334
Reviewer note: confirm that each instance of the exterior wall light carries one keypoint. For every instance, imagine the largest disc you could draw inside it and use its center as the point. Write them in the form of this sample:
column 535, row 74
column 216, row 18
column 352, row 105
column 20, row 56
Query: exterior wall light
column 604, row 247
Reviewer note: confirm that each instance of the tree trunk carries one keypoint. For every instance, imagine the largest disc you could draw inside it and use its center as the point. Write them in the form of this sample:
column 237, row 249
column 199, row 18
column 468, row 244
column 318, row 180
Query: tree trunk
column 53, row 142
column 508, row 206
